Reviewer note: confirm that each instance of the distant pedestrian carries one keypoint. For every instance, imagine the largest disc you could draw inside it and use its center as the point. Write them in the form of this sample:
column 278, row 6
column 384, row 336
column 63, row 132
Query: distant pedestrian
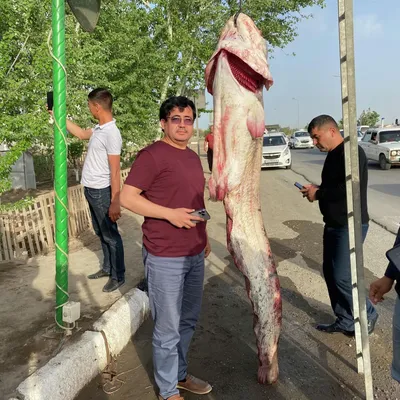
column 209, row 147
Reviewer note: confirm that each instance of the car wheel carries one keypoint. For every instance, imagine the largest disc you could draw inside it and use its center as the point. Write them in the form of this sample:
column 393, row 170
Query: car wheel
column 289, row 166
column 383, row 162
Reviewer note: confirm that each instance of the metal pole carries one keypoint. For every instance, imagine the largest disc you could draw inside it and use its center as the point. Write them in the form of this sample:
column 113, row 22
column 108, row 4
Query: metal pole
column 347, row 69
column 197, row 127
column 60, row 157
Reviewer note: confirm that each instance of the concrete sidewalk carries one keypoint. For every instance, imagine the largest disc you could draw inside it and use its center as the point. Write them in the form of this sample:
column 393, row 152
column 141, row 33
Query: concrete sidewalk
column 27, row 301
column 313, row 365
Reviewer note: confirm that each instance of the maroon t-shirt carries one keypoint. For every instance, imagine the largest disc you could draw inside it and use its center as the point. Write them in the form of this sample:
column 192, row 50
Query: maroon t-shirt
column 210, row 139
column 172, row 178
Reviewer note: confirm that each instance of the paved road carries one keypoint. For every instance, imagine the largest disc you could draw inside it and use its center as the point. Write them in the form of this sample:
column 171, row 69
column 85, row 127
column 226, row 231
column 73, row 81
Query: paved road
column 384, row 186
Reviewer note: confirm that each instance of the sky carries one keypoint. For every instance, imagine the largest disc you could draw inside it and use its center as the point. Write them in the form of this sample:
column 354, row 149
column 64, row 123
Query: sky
column 312, row 75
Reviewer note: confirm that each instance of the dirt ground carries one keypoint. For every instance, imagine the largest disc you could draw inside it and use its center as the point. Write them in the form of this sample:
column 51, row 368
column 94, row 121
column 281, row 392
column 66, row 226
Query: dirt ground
column 313, row 365
column 27, row 300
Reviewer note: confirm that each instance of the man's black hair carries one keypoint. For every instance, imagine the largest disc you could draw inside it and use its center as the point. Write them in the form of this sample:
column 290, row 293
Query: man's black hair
column 102, row 97
column 320, row 121
column 180, row 102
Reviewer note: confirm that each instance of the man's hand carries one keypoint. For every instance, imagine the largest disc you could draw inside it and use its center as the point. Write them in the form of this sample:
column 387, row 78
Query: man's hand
column 207, row 249
column 310, row 191
column 380, row 288
column 181, row 218
column 114, row 212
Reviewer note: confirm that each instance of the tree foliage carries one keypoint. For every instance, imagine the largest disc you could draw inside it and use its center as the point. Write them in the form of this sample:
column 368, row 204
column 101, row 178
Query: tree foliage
column 142, row 51
column 369, row 118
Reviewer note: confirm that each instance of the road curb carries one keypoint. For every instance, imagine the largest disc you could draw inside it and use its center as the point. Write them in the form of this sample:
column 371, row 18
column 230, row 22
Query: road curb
column 123, row 319
column 63, row 377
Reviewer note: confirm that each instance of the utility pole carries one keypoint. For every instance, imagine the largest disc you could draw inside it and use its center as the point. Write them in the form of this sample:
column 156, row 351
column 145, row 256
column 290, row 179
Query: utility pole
column 60, row 157
column 347, row 70
column 87, row 14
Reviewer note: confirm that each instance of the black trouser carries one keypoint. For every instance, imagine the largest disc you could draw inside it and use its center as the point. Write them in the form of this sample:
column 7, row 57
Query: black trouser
column 113, row 249
column 210, row 158
column 337, row 273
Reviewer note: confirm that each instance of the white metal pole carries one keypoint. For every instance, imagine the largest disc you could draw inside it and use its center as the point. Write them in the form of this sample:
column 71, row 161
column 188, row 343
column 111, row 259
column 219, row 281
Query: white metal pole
column 197, row 126
column 347, row 69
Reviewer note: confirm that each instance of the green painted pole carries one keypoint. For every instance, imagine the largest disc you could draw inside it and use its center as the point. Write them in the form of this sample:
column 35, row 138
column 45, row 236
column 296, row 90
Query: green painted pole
column 60, row 157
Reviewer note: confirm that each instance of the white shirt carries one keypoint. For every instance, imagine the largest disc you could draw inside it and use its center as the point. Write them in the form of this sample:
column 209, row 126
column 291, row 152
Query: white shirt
column 105, row 140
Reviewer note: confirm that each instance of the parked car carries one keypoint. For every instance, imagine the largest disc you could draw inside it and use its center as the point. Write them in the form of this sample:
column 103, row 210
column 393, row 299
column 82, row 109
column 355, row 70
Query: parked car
column 359, row 134
column 276, row 152
column 382, row 145
column 363, row 128
column 301, row 140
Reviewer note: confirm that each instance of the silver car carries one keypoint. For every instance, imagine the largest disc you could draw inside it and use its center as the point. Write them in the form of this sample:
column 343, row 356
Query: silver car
column 301, row 140
column 276, row 152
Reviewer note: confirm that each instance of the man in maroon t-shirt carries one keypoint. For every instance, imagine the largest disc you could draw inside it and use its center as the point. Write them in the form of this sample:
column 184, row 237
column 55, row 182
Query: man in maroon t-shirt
column 209, row 147
column 166, row 184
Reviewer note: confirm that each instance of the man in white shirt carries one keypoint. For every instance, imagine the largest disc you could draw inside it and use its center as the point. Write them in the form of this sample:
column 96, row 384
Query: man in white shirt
column 101, row 180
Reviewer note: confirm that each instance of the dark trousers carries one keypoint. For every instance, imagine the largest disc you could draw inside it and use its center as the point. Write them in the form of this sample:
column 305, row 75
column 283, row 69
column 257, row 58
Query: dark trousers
column 113, row 249
column 337, row 273
column 210, row 158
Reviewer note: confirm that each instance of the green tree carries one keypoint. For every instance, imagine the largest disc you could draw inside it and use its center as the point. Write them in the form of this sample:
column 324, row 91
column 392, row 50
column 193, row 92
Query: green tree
column 142, row 50
column 288, row 131
column 368, row 117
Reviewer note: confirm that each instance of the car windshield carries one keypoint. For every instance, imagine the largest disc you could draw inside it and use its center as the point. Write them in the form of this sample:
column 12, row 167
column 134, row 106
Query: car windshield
column 390, row 136
column 302, row 134
column 273, row 141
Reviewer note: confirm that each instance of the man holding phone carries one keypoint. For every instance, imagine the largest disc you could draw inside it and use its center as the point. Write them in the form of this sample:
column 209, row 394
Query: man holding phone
column 101, row 181
column 166, row 186
column 331, row 195
column 376, row 292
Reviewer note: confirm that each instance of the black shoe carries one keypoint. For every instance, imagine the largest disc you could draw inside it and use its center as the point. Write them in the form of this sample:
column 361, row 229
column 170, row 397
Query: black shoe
column 112, row 285
column 371, row 324
column 99, row 274
column 333, row 328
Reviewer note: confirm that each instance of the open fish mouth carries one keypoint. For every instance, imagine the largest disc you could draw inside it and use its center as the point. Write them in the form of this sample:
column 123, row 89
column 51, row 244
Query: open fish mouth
column 244, row 74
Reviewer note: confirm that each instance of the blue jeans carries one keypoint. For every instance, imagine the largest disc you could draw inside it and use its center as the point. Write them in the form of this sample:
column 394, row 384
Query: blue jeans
column 337, row 273
column 175, row 287
column 113, row 249
column 396, row 342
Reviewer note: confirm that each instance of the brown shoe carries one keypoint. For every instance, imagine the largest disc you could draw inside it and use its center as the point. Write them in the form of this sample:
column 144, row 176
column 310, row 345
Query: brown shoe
column 195, row 385
column 174, row 397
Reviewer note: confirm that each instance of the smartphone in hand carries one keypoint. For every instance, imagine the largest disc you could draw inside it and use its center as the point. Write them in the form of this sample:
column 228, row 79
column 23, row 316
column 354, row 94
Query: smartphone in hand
column 298, row 185
column 202, row 214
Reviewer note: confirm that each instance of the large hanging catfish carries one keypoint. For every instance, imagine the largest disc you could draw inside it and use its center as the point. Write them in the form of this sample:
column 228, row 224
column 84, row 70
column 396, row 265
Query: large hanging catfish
column 235, row 76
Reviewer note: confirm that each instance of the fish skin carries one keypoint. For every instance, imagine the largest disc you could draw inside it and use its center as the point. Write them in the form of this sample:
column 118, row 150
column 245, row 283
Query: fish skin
column 235, row 76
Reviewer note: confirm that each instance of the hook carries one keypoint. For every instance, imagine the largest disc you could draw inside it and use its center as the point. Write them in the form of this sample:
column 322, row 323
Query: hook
column 237, row 14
